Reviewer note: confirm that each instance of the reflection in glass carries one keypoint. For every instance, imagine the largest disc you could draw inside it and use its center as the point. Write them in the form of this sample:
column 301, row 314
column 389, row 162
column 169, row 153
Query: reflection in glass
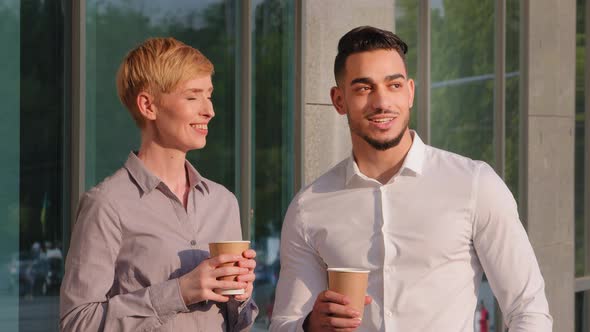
column 209, row 26
column 273, row 93
column 36, row 267
column 406, row 26
column 512, row 92
column 462, row 78
column 10, row 165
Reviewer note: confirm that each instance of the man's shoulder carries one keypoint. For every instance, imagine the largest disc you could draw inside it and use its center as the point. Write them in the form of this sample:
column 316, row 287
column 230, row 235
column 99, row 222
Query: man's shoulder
column 451, row 162
column 332, row 180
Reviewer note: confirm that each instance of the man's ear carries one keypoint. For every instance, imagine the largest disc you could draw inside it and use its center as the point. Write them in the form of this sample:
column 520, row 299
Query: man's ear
column 412, row 90
column 146, row 105
column 338, row 100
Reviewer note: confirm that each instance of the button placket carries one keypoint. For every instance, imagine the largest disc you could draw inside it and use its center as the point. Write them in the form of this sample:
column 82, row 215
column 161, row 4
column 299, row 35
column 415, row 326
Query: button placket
column 387, row 268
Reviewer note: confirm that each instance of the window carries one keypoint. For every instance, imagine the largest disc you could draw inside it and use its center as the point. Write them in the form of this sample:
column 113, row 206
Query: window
column 34, row 200
column 273, row 154
column 110, row 132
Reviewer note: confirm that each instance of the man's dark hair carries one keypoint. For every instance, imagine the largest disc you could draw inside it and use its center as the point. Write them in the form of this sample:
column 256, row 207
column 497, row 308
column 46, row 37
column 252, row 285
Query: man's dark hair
column 363, row 39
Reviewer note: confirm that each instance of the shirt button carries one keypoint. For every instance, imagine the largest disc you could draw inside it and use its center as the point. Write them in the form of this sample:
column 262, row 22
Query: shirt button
column 389, row 313
column 193, row 243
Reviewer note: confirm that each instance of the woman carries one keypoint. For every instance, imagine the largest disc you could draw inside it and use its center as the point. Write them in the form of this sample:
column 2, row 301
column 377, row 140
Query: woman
column 138, row 259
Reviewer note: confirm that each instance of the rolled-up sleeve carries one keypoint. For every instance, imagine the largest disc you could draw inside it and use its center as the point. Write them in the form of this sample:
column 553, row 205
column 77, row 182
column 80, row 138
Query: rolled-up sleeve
column 507, row 256
column 302, row 276
column 85, row 301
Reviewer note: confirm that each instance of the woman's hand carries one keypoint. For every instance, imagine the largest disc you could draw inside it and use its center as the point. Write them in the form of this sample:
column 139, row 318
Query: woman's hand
column 199, row 284
column 249, row 263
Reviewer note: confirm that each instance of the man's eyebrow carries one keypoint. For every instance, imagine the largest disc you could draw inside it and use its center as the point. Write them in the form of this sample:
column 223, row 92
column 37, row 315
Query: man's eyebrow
column 394, row 77
column 365, row 80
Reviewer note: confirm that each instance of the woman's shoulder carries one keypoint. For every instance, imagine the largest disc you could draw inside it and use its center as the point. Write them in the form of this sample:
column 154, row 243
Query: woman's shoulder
column 215, row 189
column 112, row 186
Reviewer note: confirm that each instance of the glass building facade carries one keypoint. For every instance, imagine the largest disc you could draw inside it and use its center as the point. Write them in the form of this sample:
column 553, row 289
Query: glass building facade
column 65, row 130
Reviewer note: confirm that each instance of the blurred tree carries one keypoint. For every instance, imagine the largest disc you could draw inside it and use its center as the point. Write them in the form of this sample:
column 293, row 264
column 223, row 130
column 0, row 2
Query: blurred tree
column 462, row 68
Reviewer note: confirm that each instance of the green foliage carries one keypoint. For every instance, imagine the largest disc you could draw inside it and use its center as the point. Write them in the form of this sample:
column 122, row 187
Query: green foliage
column 462, row 46
column 273, row 56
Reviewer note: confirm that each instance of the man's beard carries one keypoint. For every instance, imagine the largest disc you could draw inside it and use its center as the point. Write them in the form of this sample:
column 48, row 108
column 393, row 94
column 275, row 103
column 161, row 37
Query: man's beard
column 380, row 145
column 385, row 145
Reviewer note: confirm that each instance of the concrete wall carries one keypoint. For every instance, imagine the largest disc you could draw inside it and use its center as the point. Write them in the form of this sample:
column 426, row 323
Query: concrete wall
column 548, row 87
column 326, row 139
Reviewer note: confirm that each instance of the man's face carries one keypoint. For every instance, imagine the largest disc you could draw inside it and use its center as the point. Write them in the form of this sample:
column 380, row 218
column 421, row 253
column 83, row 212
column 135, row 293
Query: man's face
column 376, row 96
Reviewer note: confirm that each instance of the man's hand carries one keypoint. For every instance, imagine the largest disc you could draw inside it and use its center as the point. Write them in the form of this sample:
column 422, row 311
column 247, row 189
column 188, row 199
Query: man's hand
column 331, row 312
column 199, row 284
column 249, row 263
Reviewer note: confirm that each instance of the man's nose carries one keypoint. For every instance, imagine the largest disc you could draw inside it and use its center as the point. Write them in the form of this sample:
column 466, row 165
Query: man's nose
column 381, row 99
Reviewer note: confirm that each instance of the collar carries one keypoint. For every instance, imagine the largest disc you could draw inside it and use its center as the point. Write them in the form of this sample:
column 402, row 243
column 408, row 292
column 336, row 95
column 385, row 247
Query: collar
column 414, row 161
column 147, row 181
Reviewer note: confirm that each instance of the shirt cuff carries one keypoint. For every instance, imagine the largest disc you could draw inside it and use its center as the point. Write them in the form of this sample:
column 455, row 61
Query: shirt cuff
column 167, row 299
column 243, row 304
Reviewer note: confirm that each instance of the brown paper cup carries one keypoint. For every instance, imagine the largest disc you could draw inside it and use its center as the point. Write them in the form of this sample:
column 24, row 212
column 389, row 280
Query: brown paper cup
column 233, row 248
column 350, row 282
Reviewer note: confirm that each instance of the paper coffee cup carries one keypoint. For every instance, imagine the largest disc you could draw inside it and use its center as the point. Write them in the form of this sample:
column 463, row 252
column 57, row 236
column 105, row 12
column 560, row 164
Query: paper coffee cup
column 350, row 282
column 233, row 248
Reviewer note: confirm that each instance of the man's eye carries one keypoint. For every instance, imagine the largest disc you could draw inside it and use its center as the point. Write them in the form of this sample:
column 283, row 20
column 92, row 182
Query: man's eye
column 191, row 98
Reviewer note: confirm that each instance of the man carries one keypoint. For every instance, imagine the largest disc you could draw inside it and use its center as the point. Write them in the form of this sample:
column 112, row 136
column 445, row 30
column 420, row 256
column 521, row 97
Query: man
column 427, row 223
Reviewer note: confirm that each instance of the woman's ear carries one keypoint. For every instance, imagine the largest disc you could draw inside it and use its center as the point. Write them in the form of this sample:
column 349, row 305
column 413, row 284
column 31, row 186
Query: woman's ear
column 146, row 105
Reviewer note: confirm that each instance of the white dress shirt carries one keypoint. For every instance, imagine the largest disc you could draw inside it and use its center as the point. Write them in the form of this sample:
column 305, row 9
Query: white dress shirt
column 427, row 236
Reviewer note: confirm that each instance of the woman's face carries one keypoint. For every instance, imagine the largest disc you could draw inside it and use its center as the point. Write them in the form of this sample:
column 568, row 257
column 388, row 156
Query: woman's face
column 183, row 115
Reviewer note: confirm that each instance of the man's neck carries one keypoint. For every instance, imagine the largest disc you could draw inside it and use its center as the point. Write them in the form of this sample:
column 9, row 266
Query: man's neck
column 380, row 165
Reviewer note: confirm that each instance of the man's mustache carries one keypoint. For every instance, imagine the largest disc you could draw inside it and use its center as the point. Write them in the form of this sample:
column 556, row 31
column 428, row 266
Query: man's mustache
column 382, row 111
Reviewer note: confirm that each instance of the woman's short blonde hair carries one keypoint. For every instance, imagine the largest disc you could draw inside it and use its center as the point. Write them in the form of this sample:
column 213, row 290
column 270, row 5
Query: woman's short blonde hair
column 158, row 66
